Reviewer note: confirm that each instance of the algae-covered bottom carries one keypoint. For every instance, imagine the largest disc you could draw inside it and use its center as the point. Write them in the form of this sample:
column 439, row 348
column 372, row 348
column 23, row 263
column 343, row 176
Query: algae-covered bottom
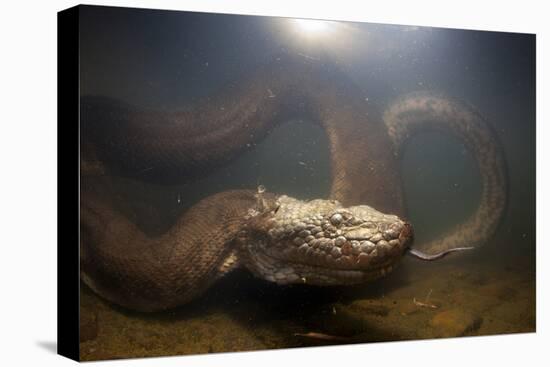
column 456, row 297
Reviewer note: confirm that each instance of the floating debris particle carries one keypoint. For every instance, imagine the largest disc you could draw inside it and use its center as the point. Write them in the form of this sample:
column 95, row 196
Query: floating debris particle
column 308, row 56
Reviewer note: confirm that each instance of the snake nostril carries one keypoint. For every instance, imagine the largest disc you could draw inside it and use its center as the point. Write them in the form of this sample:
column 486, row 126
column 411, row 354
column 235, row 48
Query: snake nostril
column 406, row 233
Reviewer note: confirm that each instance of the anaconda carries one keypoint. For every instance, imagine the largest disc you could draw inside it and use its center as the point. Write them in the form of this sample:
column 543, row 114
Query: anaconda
column 322, row 242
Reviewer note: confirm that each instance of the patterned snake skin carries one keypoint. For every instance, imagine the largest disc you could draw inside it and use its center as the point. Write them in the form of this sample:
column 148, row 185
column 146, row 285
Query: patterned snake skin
column 281, row 239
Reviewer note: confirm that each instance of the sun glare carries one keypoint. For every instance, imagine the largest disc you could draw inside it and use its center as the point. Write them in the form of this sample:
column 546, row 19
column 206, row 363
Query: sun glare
column 312, row 26
column 315, row 39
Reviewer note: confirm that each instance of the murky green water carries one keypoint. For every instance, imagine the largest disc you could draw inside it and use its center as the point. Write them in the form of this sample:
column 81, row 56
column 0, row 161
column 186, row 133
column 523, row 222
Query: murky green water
column 172, row 59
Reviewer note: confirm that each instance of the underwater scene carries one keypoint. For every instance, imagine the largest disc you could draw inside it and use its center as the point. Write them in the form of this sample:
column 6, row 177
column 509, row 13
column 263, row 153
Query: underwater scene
column 252, row 183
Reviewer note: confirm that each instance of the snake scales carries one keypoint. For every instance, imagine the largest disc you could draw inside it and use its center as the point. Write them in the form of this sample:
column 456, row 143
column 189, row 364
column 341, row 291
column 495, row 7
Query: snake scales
column 281, row 239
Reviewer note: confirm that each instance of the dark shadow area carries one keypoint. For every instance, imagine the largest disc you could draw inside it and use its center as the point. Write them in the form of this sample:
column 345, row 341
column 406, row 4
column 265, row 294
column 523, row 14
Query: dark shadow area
column 50, row 346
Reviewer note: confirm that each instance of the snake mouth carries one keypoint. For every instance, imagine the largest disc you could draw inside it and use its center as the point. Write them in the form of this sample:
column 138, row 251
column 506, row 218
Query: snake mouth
column 286, row 272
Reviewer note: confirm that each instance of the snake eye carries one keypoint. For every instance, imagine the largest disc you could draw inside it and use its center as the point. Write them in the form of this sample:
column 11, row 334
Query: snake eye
column 336, row 219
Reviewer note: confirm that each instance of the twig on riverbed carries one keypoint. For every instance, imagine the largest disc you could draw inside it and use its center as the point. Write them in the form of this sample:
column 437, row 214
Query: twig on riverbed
column 321, row 336
column 425, row 303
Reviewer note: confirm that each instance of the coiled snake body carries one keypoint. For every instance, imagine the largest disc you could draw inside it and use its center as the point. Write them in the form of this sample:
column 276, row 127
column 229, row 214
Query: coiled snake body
column 281, row 239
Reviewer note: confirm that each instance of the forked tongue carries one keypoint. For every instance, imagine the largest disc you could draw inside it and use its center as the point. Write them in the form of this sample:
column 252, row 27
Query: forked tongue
column 431, row 257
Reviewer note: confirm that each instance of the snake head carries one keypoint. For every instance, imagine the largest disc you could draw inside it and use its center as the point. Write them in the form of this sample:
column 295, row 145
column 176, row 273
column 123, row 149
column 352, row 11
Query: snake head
column 320, row 242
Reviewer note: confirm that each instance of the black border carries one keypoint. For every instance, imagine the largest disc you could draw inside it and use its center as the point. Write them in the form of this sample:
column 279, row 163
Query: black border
column 68, row 181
